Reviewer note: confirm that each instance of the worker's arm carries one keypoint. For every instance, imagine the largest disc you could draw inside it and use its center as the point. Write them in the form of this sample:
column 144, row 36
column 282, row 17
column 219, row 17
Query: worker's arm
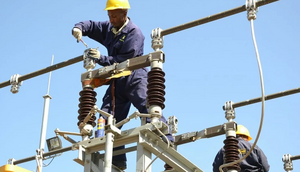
column 94, row 30
column 218, row 161
column 130, row 44
column 263, row 160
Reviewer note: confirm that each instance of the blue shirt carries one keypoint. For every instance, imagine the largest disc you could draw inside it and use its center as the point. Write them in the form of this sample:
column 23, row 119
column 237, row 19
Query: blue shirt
column 127, row 44
column 255, row 162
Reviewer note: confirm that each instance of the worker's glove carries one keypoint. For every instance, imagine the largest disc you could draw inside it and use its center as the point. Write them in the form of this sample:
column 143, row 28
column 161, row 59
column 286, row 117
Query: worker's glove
column 77, row 33
column 94, row 54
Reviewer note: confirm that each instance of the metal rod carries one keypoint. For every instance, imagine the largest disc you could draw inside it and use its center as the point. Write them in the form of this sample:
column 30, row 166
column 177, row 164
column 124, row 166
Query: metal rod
column 44, row 155
column 108, row 147
column 45, row 70
column 211, row 18
column 69, row 139
column 295, row 157
column 47, row 98
column 62, row 133
column 267, row 97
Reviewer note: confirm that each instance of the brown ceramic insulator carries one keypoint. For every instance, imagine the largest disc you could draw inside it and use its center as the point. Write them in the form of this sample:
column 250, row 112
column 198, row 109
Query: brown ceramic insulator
column 87, row 101
column 231, row 153
column 156, row 88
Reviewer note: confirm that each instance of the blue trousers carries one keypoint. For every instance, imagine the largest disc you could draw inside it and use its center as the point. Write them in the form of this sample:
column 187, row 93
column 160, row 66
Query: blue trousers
column 127, row 90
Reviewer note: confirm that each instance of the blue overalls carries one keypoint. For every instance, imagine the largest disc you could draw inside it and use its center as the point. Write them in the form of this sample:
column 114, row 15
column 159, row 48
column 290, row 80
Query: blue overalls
column 129, row 43
column 255, row 162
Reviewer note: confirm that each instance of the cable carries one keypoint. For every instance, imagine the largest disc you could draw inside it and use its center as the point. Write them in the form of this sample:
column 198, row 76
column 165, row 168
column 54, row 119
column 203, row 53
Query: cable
column 53, row 156
column 45, row 165
column 262, row 101
column 168, row 142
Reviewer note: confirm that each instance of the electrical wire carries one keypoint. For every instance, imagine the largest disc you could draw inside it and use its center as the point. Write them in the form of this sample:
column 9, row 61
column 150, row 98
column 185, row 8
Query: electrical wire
column 168, row 142
column 45, row 165
column 262, row 101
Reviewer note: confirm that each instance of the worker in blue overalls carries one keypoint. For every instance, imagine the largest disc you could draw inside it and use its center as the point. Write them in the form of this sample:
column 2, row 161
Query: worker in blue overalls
column 255, row 162
column 123, row 40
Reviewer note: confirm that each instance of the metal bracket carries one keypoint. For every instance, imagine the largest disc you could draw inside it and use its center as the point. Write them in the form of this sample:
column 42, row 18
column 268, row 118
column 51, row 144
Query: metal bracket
column 157, row 56
column 111, row 128
column 288, row 164
column 11, row 161
column 88, row 63
column 15, row 84
column 251, row 9
column 157, row 39
column 230, row 113
column 173, row 122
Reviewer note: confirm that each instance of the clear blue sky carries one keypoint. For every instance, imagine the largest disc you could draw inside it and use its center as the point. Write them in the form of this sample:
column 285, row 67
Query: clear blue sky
column 205, row 66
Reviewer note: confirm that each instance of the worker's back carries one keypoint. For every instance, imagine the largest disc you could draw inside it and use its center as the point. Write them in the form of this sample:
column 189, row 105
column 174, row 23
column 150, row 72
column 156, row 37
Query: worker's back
column 256, row 161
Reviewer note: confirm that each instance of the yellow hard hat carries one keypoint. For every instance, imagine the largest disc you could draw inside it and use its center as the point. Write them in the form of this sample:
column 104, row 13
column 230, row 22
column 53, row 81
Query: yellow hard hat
column 241, row 130
column 117, row 4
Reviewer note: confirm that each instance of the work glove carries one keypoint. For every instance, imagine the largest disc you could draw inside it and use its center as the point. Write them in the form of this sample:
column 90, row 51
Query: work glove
column 77, row 33
column 94, row 54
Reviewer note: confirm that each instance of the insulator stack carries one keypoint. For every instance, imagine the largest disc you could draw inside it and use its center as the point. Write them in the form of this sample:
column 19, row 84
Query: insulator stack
column 87, row 101
column 156, row 88
column 231, row 153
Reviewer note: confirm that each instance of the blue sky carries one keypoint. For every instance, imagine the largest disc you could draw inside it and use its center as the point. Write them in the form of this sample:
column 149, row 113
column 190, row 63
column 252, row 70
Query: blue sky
column 205, row 66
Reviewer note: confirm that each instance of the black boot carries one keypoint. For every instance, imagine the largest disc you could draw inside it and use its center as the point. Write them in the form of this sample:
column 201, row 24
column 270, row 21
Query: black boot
column 171, row 142
column 168, row 167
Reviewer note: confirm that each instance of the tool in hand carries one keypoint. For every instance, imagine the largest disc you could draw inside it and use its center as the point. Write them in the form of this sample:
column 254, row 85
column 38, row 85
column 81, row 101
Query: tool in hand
column 84, row 43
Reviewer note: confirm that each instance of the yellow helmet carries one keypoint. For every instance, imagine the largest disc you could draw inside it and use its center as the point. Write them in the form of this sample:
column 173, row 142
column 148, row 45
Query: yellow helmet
column 117, row 4
column 241, row 130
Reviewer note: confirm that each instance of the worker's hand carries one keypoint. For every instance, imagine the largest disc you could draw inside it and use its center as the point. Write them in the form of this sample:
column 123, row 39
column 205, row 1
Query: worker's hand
column 76, row 32
column 93, row 53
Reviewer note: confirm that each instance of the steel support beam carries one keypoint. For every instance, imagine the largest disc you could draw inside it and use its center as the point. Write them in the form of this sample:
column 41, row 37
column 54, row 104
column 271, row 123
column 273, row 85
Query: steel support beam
column 126, row 137
column 154, row 144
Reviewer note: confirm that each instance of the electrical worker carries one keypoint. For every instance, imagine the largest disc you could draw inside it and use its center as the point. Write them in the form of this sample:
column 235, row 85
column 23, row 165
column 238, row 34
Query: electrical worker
column 255, row 162
column 123, row 40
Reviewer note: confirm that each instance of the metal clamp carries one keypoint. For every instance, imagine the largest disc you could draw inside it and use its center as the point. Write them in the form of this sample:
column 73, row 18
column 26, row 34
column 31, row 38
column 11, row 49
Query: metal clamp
column 157, row 56
column 229, row 114
column 11, row 161
column 15, row 84
column 288, row 164
column 88, row 63
column 251, row 9
column 157, row 39
column 173, row 122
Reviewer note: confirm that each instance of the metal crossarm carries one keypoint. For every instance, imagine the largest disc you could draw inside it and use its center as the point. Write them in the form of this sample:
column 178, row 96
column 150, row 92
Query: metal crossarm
column 130, row 64
column 126, row 137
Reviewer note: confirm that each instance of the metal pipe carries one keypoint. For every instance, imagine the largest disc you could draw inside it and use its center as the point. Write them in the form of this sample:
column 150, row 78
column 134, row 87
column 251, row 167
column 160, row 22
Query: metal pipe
column 47, row 98
column 295, row 157
column 108, row 147
column 211, row 18
column 45, row 70
column 267, row 97
column 44, row 155
column 69, row 139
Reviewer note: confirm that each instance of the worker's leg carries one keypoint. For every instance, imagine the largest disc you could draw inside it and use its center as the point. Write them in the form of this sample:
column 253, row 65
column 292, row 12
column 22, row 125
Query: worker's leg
column 121, row 109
